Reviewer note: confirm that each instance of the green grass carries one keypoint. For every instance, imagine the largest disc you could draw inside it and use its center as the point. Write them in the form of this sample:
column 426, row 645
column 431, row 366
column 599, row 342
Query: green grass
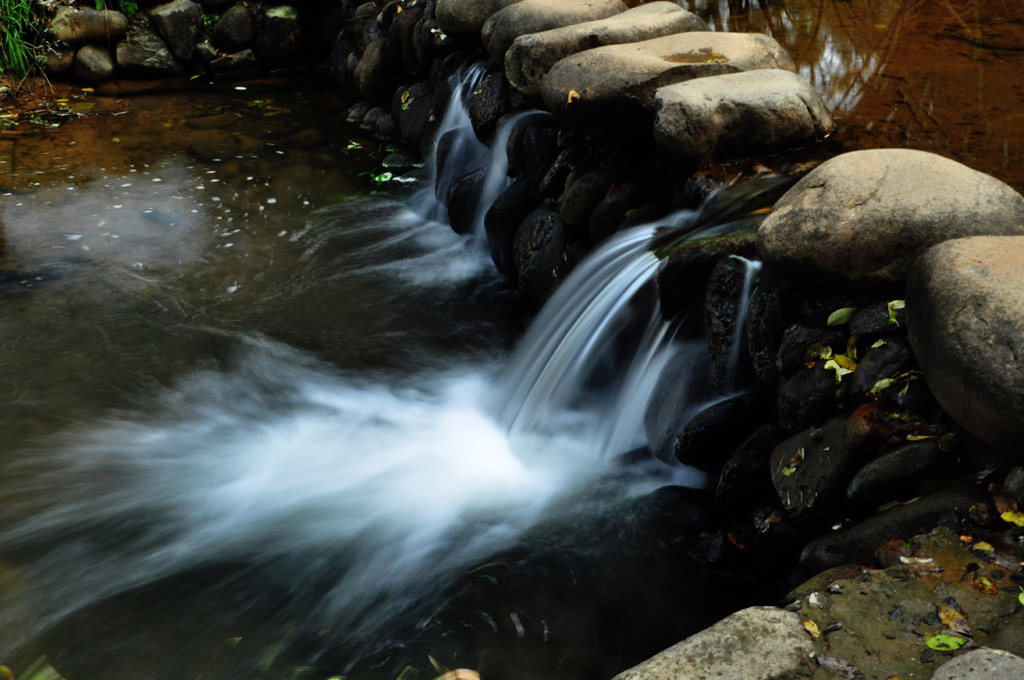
column 17, row 55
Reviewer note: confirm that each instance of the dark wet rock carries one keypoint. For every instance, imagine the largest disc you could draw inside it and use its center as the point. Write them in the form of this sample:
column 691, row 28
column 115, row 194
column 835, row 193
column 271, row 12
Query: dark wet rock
column 766, row 317
column 75, row 26
column 410, row 109
column 683, row 278
column 714, row 433
column 378, row 121
column 723, row 315
column 876, row 321
column 206, row 52
column 1014, row 483
column 884, row 362
column 965, row 315
column 811, row 470
column 982, row 664
column 532, row 148
column 623, row 79
column 59, row 61
column 502, row 220
column 144, row 52
column 378, row 72
column 244, row 61
column 553, row 183
column 400, row 162
column 532, row 56
column 279, row 36
column 739, row 115
column 178, row 24
column 581, row 197
column 680, row 392
column 859, row 542
column 533, row 16
column 462, row 200
column 235, row 30
column 487, row 104
column 616, row 206
column 759, row 643
column 467, row 17
column 216, row 6
column 405, row 31
column 895, row 475
column 93, row 63
column 356, row 113
column 793, row 354
column 866, row 216
column 539, row 254
column 744, row 480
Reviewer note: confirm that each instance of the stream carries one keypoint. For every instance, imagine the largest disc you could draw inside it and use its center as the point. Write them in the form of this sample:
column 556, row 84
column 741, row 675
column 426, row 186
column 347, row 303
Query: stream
column 262, row 420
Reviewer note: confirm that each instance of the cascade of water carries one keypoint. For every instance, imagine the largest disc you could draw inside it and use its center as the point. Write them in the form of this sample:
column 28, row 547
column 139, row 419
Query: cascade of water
column 751, row 268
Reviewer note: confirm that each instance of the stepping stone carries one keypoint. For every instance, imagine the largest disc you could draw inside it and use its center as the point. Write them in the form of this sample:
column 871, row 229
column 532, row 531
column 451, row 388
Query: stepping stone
column 532, row 56
column 533, row 16
column 865, row 216
column 467, row 17
column 739, row 115
column 623, row 79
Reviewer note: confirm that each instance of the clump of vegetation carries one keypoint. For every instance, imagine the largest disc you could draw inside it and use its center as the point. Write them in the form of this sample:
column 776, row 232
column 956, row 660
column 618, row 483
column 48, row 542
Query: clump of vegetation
column 18, row 54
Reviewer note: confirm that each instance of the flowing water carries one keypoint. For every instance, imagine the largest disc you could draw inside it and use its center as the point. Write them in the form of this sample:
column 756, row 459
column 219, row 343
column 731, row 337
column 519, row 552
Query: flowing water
column 254, row 417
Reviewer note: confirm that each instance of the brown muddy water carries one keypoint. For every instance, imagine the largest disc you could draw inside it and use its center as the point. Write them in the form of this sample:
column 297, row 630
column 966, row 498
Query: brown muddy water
column 240, row 388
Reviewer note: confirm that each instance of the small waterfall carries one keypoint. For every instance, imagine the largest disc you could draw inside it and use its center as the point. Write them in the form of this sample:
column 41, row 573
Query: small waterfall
column 752, row 267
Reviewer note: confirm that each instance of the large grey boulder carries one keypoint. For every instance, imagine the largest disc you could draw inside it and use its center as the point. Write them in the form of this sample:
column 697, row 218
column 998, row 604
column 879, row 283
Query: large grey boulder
column 235, row 30
column 532, row 56
column 739, row 115
column 93, row 63
column 965, row 316
column 615, row 79
column 982, row 664
column 866, row 216
column 467, row 17
column 143, row 52
column 758, row 643
column 532, row 16
column 76, row 26
column 178, row 24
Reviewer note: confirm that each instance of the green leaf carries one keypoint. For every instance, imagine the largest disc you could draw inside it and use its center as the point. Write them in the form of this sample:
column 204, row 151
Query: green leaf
column 895, row 306
column 944, row 642
column 841, row 316
column 1020, row 596
column 1014, row 518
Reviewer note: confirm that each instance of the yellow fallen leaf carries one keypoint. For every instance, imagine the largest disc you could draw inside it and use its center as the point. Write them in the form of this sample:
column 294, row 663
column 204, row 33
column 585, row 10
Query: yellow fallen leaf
column 812, row 629
column 573, row 96
column 983, row 546
column 1016, row 517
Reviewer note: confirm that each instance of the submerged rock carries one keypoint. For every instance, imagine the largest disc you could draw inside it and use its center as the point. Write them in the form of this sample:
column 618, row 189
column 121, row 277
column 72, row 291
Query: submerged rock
column 758, row 643
column 533, row 16
column 965, row 314
column 532, row 56
column 739, row 115
column 624, row 78
column 866, row 216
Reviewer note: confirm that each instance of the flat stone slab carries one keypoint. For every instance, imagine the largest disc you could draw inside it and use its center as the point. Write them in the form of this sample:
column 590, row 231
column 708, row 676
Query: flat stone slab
column 620, row 79
column 965, row 316
column 533, row 16
column 739, row 115
column 532, row 56
column 865, row 216
column 467, row 17
column 758, row 643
